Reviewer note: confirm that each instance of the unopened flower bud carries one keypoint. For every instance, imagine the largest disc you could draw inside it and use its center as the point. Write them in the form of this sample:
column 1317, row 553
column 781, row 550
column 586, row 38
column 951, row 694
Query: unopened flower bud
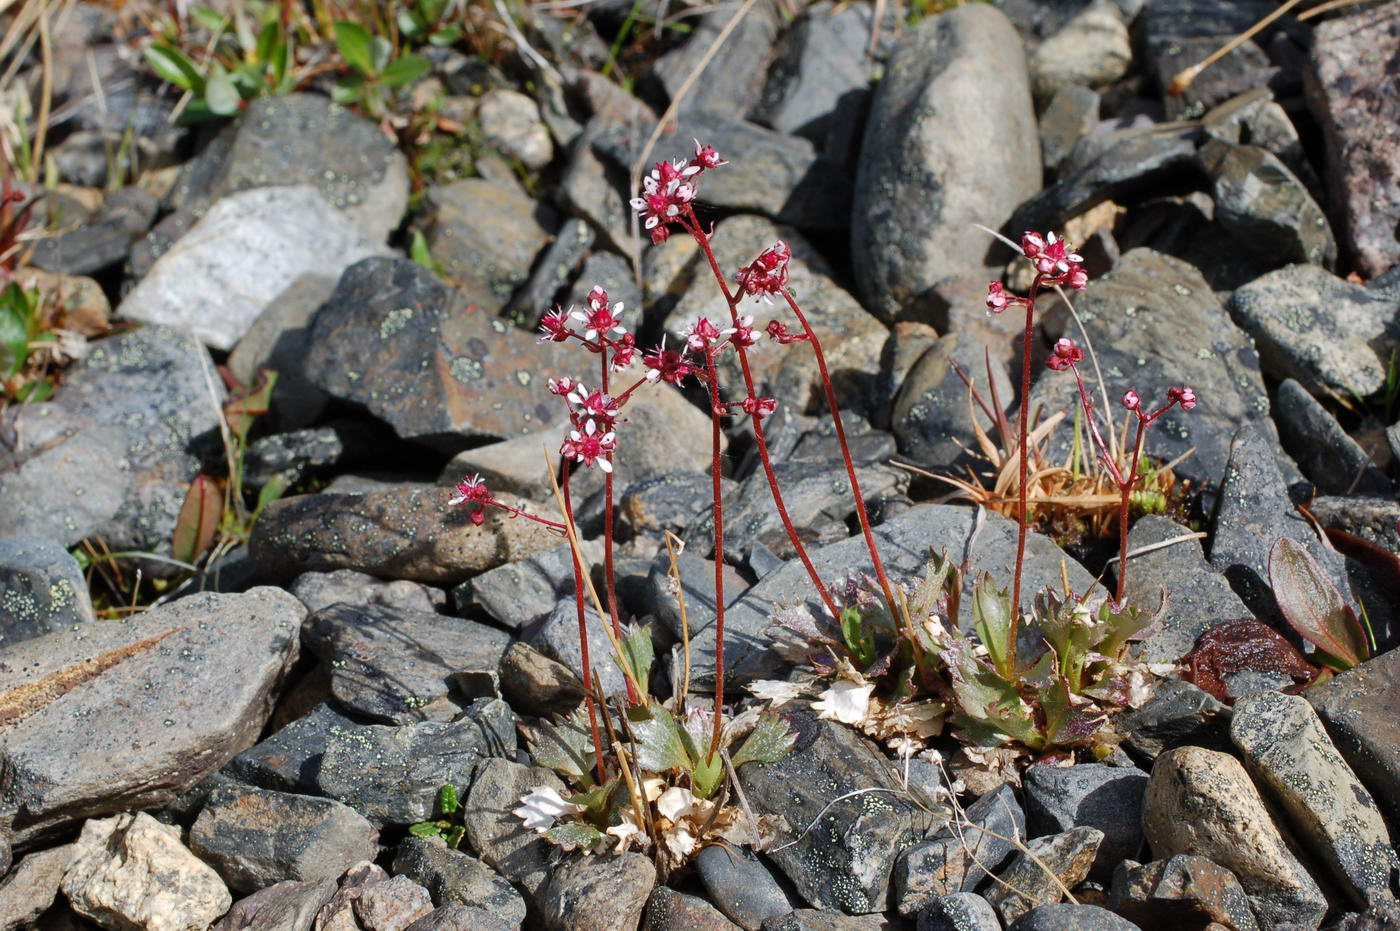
column 1131, row 401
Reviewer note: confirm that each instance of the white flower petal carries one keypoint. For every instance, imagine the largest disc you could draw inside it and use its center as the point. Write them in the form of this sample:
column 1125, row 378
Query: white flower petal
column 846, row 701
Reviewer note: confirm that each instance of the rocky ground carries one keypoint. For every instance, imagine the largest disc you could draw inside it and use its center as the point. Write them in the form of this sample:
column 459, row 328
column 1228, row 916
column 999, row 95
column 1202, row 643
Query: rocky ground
column 250, row 751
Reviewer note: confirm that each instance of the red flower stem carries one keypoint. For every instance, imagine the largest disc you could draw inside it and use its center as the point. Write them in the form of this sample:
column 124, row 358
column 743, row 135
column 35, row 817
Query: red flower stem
column 583, row 640
column 516, row 512
column 715, row 465
column 733, row 301
column 609, row 580
column 861, row 514
column 1125, row 490
column 1087, row 404
column 1023, row 454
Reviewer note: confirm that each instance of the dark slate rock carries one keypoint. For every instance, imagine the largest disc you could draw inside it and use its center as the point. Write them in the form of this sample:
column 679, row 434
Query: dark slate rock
column 613, row 274
column 1067, row 917
column 88, row 249
column 391, row 775
column 291, row 457
column 394, row 666
column 1184, row 891
column 289, row 760
column 1349, row 91
column 42, row 589
column 461, row 918
column 1118, row 167
column 821, row 62
column 520, row 593
column 558, row 639
column 133, row 737
column 867, row 447
column 931, row 416
column 961, row 911
column 923, row 181
column 824, row 919
column 319, row 590
column 28, row 891
column 1286, row 749
column 488, row 260
column 1070, row 116
column 1326, row 453
column 667, row 502
column 1254, row 512
column 400, row 533
column 596, row 189
column 1197, row 596
column 1253, row 118
column 669, row 910
column 285, row 906
column 1204, row 803
column 1147, row 319
column 1024, row 885
column 454, row 878
column 255, row 837
column 960, row 855
column 497, row 834
column 741, row 886
column 597, row 893
column 1092, row 795
column 1090, row 50
column 137, row 410
column 398, row 314
column 276, row 340
column 552, row 273
column 845, row 861
column 1178, row 714
column 1265, row 206
column 303, row 139
column 1375, row 519
column 1329, row 334
column 731, row 81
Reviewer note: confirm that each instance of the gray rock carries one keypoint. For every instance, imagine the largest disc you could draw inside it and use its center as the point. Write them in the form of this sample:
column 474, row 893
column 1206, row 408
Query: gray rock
column 1118, row 166
column 454, row 878
column 825, row 919
column 846, row 861
column 552, row 273
column 961, row 911
column 1359, row 708
column 595, row 189
column 1329, row 334
column 1285, row 747
column 1067, row 917
column 394, row 666
column 461, row 918
column 1183, row 891
column 1179, row 714
column 86, row 250
column 249, row 248
column 558, row 639
column 1253, row 118
column 498, row 835
column 952, row 70
column 28, row 890
column 1347, row 92
column 110, row 725
column 516, row 466
column 613, row 274
column 1326, row 453
column 319, row 590
column 1069, row 116
column 1090, row 50
column 669, row 910
column 1197, row 596
column 276, row 340
column 1146, row 319
column 1093, row 795
column 1265, row 206
column 961, row 854
column 286, row 906
column 1254, row 512
column 510, row 121
column 521, row 593
column 741, row 886
column 487, row 260
column 667, row 502
column 42, row 589
column 409, row 533
column 535, row 684
column 598, row 893
column 391, row 904
column 730, row 82
column 140, row 409
column 1024, row 884
column 1376, row 519
column 821, row 63
column 291, row 457
column 391, row 775
column 1203, row 803
column 399, row 315
column 289, row 760
column 931, row 415
column 255, row 837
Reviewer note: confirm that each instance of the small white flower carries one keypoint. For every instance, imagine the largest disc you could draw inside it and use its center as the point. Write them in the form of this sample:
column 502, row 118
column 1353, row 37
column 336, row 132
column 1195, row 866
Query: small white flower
column 542, row 807
column 846, row 701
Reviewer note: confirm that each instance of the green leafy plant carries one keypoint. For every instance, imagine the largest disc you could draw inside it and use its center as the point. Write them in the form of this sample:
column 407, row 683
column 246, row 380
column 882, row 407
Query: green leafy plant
column 447, row 823
column 1312, row 606
column 427, row 21
column 376, row 69
column 238, row 67
column 24, row 333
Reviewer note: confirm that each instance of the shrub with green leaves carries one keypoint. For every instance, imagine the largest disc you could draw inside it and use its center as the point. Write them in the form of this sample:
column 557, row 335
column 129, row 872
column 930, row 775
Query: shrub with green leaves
column 376, row 68
column 24, row 332
column 240, row 65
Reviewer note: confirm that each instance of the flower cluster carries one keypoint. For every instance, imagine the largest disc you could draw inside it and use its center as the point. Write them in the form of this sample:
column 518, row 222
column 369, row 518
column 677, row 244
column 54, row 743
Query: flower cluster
column 766, row 275
column 1054, row 264
column 1068, row 355
column 669, row 190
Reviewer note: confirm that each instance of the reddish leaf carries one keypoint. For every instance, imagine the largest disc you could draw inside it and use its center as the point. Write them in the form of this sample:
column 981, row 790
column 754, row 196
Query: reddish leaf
column 199, row 518
column 245, row 404
column 1312, row 606
column 1242, row 645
